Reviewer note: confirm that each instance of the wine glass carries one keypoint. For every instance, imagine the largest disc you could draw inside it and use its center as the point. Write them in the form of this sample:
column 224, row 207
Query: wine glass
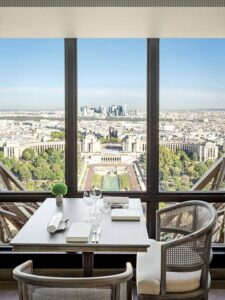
column 105, row 206
column 97, row 217
column 96, row 194
column 89, row 201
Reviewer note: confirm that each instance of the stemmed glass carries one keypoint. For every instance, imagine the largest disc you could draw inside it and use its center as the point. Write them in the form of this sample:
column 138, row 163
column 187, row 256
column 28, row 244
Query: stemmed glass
column 96, row 194
column 105, row 206
column 89, row 201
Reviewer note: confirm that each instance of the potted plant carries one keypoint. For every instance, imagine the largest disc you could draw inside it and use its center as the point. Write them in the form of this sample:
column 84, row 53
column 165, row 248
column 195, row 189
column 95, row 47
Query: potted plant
column 59, row 189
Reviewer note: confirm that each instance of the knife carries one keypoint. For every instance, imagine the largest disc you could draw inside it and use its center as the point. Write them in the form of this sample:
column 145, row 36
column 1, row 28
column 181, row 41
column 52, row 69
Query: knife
column 97, row 234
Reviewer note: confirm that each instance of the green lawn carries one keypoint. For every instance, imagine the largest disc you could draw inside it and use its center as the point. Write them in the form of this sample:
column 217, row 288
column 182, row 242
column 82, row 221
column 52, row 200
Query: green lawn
column 125, row 181
column 97, row 180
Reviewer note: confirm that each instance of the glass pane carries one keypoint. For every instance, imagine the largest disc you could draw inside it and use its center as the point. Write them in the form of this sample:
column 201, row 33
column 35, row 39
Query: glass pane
column 192, row 131
column 12, row 218
column 31, row 114
column 112, row 114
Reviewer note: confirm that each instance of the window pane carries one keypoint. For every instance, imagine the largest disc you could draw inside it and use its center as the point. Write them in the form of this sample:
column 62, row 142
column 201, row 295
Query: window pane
column 112, row 114
column 192, row 131
column 31, row 114
column 12, row 218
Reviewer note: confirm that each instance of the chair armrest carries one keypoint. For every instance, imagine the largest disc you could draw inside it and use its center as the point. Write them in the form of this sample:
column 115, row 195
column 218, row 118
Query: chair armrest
column 26, row 267
column 177, row 256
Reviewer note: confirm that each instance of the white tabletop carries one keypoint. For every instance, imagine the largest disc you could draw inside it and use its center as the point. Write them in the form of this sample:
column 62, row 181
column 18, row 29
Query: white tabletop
column 124, row 236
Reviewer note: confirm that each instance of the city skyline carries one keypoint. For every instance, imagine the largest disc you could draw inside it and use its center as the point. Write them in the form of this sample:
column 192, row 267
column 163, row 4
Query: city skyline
column 112, row 71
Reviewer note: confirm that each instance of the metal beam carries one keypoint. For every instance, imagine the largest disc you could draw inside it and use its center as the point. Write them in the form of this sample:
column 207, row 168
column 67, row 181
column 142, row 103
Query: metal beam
column 152, row 131
column 71, row 115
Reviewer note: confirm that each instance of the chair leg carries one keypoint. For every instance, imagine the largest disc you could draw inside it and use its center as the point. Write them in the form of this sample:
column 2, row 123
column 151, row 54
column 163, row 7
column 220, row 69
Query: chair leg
column 206, row 296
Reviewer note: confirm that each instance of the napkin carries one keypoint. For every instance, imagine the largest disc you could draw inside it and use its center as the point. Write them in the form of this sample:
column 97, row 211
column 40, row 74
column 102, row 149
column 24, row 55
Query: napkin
column 116, row 200
column 54, row 223
column 125, row 215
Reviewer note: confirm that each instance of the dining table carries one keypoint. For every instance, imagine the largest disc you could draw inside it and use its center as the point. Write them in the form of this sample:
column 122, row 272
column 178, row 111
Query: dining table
column 116, row 236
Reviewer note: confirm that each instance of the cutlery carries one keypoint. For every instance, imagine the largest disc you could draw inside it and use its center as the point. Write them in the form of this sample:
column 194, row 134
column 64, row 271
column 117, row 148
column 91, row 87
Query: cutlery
column 94, row 232
column 98, row 235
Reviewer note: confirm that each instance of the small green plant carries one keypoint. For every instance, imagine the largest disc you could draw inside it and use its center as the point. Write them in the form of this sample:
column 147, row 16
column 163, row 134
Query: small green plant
column 59, row 189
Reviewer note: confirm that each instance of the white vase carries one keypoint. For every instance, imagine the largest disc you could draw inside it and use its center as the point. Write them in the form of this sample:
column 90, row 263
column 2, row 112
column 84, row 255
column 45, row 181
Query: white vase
column 59, row 200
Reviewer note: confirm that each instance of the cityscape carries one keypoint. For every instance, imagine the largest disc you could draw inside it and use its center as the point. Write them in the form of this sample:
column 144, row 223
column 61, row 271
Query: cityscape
column 112, row 145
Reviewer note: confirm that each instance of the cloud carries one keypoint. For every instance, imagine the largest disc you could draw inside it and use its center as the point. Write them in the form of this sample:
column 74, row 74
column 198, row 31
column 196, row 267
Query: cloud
column 132, row 97
column 32, row 97
column 40, row 97
column 183, row 98
column 31, row 90
column 110, row 92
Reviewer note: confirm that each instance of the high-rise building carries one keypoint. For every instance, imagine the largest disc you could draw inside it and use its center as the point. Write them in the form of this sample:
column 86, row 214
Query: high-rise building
column 124, row 109
column 117, row 110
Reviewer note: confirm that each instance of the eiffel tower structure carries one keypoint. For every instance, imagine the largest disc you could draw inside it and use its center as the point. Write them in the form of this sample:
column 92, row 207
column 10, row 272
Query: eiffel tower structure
column 13, row 215
column 213, row 180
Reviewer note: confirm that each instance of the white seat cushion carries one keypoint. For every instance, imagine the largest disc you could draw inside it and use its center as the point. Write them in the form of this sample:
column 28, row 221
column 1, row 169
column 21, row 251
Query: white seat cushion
column 149, row 269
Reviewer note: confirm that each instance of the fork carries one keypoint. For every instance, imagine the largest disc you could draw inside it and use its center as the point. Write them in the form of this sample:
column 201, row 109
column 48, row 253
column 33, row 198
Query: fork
column 95, row 235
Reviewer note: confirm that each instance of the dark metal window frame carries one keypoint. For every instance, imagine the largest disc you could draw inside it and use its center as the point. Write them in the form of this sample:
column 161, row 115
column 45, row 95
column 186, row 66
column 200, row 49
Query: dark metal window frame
column 151, row 196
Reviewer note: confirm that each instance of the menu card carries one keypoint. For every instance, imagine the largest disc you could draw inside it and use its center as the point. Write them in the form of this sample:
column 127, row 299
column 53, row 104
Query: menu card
column 79, row 232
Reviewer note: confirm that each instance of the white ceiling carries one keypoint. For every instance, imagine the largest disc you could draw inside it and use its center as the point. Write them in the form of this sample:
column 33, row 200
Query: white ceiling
column 112, row 22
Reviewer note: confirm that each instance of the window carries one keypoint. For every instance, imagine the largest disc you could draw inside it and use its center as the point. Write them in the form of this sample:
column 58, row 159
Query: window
column 115, row 120
column 191, row 130
column 112, row 114
column 31, row 114
column 31, row 124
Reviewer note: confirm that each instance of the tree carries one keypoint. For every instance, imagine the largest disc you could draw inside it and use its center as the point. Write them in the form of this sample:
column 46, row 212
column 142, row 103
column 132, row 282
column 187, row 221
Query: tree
column 195, row 156
column 24, row 172
column 200, row 169
column 54, row 157
column 43, row 172
column 105, row 140
column 58, row 135
column 40, row 161
column 28, row 154
column 57, row 172
column 1, row 155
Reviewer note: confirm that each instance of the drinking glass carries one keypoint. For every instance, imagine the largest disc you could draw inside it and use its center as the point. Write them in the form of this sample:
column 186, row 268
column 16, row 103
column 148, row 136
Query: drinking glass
column 89, row 201
column 96, row 194
column 105, row 207
column 97, row 217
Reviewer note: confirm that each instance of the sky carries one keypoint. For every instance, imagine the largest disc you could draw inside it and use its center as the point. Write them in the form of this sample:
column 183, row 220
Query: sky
column 112, row 71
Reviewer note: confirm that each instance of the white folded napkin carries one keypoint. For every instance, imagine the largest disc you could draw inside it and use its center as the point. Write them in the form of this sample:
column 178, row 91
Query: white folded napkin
column 116, row 200
column 54, row 223
column 125, row 215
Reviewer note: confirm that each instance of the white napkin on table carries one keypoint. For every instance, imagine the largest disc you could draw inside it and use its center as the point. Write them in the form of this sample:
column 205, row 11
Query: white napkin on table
column 54, row 223
column 116, row 200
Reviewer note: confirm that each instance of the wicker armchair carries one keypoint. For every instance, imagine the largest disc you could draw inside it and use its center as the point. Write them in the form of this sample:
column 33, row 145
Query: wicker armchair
column 176, row 265
column 33, row 287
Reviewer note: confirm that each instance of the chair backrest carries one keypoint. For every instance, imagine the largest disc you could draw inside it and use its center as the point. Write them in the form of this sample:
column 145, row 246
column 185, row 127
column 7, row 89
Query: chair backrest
column 34, row 287
column 191, row 224
column 185, row 218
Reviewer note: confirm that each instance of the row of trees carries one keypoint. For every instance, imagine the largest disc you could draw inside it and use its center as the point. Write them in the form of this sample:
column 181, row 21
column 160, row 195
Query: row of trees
column 37, row 172
column 177, row 170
